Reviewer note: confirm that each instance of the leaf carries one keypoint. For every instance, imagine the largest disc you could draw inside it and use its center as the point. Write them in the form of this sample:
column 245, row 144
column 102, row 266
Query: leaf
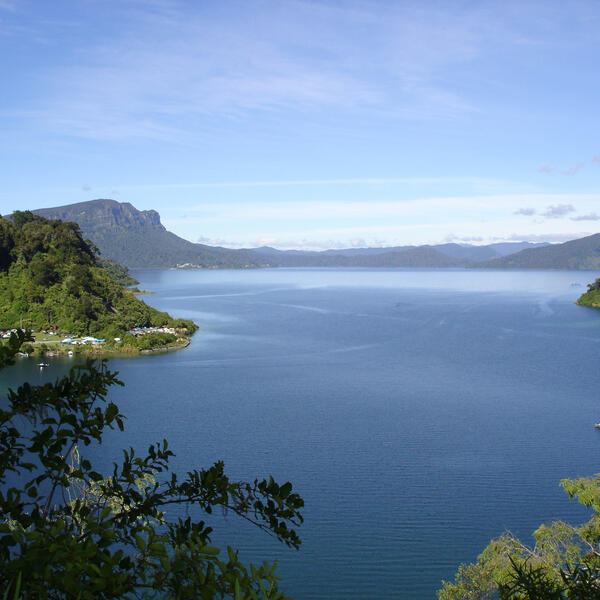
column 140, row 542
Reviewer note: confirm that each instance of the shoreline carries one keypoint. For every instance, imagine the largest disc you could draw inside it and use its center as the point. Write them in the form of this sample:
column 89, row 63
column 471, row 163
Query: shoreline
column 56, row 349
column 130, row 352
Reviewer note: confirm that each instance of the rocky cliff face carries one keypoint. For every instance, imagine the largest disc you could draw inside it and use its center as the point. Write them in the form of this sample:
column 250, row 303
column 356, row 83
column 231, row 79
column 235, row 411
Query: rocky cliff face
column 138, row 240
column 106, row 216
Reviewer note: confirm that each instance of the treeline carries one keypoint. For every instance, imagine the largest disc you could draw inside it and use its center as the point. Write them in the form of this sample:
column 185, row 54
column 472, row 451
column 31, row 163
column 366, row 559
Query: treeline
column 51, row 278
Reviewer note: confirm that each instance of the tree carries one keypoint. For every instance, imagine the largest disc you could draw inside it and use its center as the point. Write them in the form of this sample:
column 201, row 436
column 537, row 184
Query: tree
column 564, row 563
column 68, row 531
column 7, row 243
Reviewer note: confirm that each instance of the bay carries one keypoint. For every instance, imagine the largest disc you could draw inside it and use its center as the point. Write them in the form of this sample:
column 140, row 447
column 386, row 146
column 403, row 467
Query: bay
column 418, row 412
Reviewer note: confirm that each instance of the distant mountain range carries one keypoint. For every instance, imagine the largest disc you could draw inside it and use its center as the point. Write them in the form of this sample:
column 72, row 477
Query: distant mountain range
column 137, row 239
column 438, row 256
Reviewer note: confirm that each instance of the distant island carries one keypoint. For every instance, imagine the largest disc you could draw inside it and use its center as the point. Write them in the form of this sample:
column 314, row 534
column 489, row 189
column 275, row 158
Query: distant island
column 52, row 282
column 138, row 239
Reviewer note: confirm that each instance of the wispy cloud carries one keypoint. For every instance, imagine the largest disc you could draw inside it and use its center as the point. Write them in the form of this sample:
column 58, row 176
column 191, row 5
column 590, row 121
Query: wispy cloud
column 464, row 239
column 430, row 208
column 589, row 217
column 290, row 243
column 166, row 62
column 573, row 170
column 547, row 169
column 312, row 222
column 556, row 211
column 317, row 182
column 569, row 172
column 551, row 238
column 525, row 211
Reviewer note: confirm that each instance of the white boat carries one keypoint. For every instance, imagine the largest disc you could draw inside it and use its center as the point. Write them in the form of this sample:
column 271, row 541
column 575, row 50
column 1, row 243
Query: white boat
column 42, row 365
column 597, row 425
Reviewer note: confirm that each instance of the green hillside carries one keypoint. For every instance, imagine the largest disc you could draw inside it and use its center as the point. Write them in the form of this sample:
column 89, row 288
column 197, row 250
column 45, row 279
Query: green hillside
column 409, row 257
column 50, row 278
column 137, row 238
column 581, row 254
column 592, row 296
column 420, row 257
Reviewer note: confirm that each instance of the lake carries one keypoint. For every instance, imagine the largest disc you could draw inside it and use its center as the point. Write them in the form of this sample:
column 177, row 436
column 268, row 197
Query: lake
column 418, row 412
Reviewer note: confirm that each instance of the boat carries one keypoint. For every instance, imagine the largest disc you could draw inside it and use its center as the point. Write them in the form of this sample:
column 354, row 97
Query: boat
column 42, row 365
column 597, row 425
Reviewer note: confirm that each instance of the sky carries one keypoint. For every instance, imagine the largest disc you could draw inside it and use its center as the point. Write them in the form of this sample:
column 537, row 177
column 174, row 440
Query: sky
column 308, row 124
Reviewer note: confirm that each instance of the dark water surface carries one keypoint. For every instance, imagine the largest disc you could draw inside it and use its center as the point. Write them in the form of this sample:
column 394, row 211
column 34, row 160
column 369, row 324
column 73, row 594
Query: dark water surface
column 418, row 412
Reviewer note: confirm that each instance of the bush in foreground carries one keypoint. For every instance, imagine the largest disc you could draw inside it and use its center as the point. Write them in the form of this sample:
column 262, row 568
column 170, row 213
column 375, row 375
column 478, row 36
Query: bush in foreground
column 68, row 531
column 563, row 564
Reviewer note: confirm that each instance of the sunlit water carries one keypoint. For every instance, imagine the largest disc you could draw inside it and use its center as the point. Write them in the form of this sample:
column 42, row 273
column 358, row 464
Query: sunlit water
column 418, row 412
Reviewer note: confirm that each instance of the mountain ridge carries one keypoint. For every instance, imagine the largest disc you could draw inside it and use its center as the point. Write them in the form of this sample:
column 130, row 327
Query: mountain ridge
column 138, row 239
column 580, row 254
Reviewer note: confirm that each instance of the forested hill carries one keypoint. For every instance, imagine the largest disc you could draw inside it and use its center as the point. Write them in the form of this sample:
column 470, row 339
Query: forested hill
column 137, row 239
column 581, row 254
column 409, row 257
column 591, row 298
column 50, row 278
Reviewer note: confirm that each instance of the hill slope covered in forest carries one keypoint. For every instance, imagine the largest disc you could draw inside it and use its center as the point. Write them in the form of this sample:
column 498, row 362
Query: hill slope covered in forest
column 50, row 278
column 580, row 254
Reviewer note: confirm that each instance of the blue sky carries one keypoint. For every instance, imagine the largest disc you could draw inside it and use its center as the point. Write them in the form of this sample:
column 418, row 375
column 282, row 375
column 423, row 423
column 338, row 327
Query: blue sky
column 308, row 124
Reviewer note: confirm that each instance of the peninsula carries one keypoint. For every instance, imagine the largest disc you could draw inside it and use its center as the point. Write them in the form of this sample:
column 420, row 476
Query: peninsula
column 52, row 282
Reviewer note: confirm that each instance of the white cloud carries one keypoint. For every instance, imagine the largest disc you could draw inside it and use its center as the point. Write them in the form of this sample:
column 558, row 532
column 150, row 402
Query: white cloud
column 556, row 211
column 475, row 181
column 329, row 224
column 442, row 207
column 570, row 171
column 573, row 170
column 552, row 238
column 589, row 217
column 464, row 239
column 165, row 62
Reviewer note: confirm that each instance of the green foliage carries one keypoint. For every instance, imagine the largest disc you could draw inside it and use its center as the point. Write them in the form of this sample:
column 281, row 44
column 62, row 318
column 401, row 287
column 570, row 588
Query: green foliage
column 592, row 297
column 9, row 348
column 69, row 531
column 53, row 278
column 564, row 563
column 118, row 272
column 150, row 341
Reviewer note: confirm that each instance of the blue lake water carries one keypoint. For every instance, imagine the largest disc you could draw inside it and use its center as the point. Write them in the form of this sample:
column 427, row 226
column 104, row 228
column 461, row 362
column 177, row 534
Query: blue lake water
column 418, row 412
